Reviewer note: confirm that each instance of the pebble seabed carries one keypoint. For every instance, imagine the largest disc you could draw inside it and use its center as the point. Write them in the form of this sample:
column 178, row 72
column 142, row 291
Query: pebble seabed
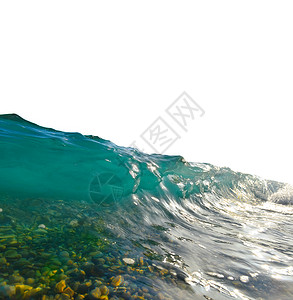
column 52, row 250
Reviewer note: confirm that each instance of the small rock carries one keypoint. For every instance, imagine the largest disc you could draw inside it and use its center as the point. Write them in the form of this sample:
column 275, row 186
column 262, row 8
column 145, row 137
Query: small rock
column 141, row 262
column 96, row 293
column 164, row 271
column 42, row 226
column 70, row 262
column 244, row 279
column 161, row 296
column 101, row 261
column 74, row 223
column 60, row 286
column 16, row 279
column 69, row 292
column 12, row 254
column 128, row 261
column 84, row 287
column 7, row 291
column 3, row 260
column 98, row 283
column 104, row 290
column 30, row 273
column 88, row 267
column 64, row 297
column 21, row 288
column 118, row 280
column 55, row 262
column 64, row 254
column 29, row 293
column 30, row 281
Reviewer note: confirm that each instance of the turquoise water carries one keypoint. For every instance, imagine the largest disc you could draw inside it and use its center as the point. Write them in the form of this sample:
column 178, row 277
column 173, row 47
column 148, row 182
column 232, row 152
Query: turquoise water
column 83, row 218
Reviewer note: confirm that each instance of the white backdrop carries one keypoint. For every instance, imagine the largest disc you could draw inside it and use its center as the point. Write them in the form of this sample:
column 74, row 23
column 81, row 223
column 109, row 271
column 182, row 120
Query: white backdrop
column 112, row 68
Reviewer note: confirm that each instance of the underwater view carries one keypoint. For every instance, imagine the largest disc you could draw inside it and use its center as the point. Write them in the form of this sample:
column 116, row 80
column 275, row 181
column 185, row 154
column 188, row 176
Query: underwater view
column 83, row 218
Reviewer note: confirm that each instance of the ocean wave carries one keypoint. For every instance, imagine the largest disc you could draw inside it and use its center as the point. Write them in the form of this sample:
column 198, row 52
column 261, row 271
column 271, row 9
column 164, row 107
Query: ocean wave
column 169, row 228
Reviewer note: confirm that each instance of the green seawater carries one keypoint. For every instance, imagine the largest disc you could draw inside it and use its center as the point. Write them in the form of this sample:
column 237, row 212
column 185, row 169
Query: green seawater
column 83, row 218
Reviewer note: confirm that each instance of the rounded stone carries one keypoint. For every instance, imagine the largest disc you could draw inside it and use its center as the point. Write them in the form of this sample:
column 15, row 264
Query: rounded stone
column 118, row 280
column 64, row 254
column 104, row 290
column 96, row 293
column 244, row 279
column 7, row 291
column 60, row 286
column 129, row 261
column 12, row 254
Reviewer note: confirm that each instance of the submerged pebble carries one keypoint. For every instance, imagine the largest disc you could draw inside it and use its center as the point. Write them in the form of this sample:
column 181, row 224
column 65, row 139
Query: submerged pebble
column 96, row 293
column 7, row 291
column 244, row 279
column 12, row 254
column 118, row 280
column 60, row 286
column 128, row 261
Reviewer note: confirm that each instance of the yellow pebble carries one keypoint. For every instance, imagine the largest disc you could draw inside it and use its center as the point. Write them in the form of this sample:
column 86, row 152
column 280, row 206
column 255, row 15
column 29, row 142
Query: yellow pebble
column 104, row 290
column 23, row 287
column 69, row 292
column 60, row 286
column 151, row 268
column 141, row 261
column 96, row 293
column 30, row 281
column 117, row 280
column 164, row 271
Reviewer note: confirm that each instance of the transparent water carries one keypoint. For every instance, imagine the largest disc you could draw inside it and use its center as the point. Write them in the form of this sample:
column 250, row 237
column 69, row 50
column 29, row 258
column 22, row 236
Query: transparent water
column 82, row 218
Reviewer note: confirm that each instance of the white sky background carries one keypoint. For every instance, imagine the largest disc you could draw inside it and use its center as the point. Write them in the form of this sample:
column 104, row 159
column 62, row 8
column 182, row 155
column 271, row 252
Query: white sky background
column 111, row 68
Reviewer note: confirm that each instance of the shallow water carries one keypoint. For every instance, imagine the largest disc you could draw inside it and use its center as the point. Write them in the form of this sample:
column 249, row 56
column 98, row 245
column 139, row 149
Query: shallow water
column 82, row 218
